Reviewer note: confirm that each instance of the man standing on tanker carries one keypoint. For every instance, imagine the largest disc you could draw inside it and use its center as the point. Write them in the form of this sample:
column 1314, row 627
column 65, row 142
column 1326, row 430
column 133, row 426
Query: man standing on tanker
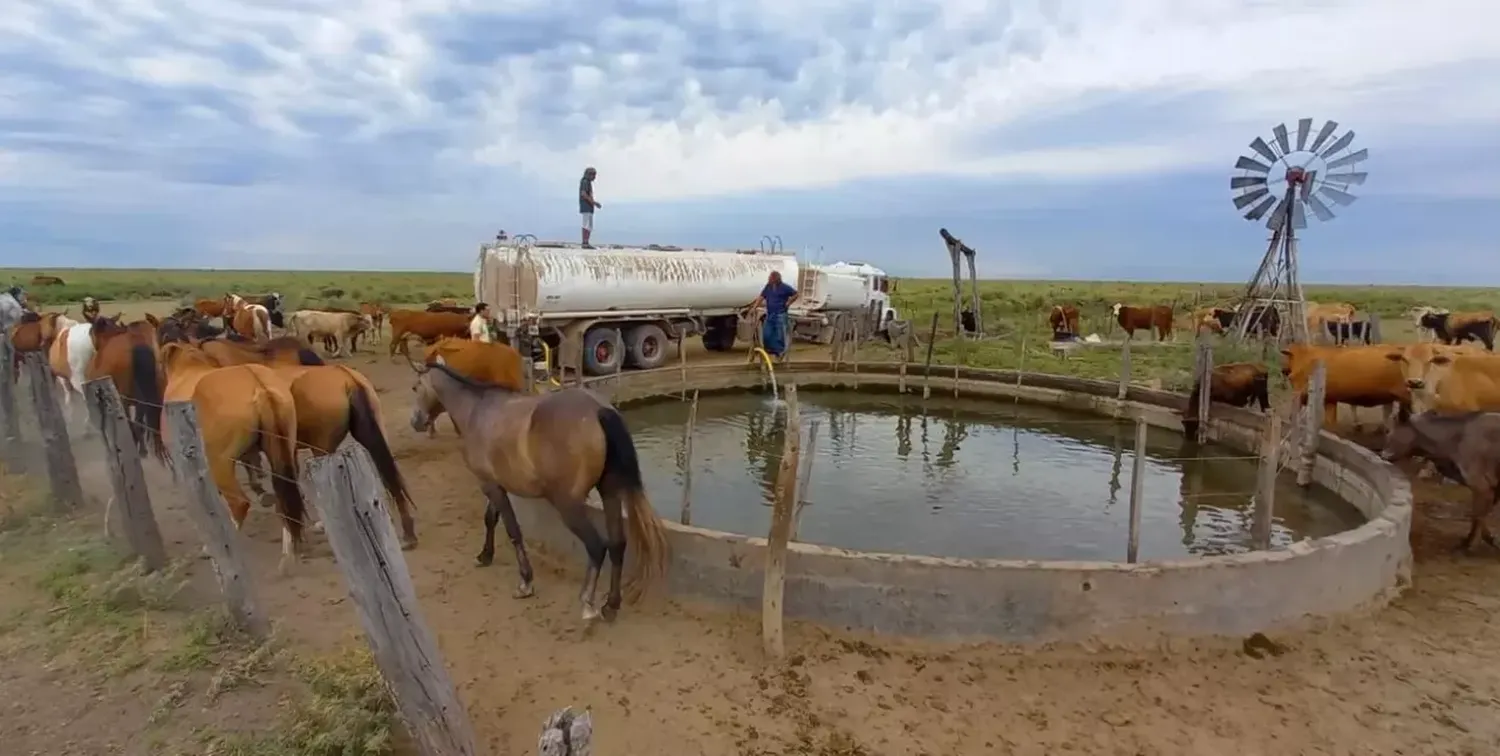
column 777, row 296
column 586, row 203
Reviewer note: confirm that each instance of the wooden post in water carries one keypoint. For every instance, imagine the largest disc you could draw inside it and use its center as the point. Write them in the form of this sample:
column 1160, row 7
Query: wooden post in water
column 1137, row 491
column 62, row 469
column 805, row 481
column 350, row 503
column 134, row 519
column 11, row 452
column 782, row 511
column 682, row 363
column 1124, row 387
column 905, row 348
column 211, row 515
column 857, row 341
column 1265, row 493
column 686, row 518
column 1205, row 377
column 927, row 370
column 1312, row 423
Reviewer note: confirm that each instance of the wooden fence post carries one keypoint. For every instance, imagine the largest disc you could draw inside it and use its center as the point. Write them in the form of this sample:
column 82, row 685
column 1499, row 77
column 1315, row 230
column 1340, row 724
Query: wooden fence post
column 1312, row 422
column 1374, row 328
column 687, row 462
column 10, row 421
column 1265, row 493
column 927, row 370
column 1124, row 371
column 682, row 361
column 781, row 531
column 62, row 469
column 348, row 496
column 856, row 344
column 805, row 480
column 134, row 518
column 211, row 515
column 901, row 368
column 1205, row 376
column 1137, row 491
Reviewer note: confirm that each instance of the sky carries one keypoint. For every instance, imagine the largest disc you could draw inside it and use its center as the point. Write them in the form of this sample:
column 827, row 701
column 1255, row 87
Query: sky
column 1060, row 138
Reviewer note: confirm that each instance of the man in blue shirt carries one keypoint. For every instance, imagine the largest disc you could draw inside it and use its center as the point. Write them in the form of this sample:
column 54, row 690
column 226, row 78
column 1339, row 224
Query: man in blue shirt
column 586, row 203
column 777, row 296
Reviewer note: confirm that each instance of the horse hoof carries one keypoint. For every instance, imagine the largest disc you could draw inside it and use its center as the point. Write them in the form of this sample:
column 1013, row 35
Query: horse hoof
column 317, row 527
column 484, row 559
column 525, row 591
column 590, row 613
column 610, row 612
column 407, row 544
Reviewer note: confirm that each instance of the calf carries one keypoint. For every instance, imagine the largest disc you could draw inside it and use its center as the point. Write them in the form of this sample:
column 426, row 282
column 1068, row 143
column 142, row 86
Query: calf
column 1318, row 314
column 1450, row 379
column 1464, row 447
column 1155, row 317
column 1417, row 314
column 1238, row 384
column 341, row 326
column 1344, row 332
column 1455, row 327
column 376, row 311
column 1361, row 376
column 1063, row 319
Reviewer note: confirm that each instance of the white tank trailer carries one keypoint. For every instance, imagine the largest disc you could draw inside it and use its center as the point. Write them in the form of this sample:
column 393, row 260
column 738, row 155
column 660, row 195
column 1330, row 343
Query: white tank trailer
column 626, row 305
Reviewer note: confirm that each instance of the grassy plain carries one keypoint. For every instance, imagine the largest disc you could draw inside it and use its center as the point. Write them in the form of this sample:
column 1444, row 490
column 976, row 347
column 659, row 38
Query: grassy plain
column 1014, row 311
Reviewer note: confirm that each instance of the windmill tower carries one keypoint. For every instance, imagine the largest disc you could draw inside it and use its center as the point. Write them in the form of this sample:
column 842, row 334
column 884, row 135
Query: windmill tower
column 1281, row 184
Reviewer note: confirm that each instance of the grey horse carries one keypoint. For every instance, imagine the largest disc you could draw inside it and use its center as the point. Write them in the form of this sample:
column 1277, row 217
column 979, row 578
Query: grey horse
column 12, row 306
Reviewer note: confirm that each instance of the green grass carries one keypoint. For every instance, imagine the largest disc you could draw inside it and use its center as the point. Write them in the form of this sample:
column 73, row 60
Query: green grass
column 298, row 287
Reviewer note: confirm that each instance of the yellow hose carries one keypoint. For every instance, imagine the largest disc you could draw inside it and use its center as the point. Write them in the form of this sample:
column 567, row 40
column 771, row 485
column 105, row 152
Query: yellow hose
column 770, row 367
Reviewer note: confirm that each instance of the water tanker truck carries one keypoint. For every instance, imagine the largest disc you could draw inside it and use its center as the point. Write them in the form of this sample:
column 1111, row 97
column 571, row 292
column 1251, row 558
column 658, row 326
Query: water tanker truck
column 625, row 305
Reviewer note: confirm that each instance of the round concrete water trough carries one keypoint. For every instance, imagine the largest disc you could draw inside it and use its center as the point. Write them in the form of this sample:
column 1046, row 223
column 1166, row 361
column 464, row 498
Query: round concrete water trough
column 1026, row 601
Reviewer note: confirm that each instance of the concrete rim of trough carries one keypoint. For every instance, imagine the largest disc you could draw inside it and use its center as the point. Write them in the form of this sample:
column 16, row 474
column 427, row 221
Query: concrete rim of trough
column 1353, row 570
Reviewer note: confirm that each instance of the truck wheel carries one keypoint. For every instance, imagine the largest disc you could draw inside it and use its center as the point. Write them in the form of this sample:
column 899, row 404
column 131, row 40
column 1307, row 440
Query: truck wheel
column 601, row 351
column 646, row 347
column 718, row 339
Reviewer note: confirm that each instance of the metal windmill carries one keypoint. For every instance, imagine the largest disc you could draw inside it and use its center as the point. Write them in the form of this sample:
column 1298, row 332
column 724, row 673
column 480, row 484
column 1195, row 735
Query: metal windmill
column 1281, row 184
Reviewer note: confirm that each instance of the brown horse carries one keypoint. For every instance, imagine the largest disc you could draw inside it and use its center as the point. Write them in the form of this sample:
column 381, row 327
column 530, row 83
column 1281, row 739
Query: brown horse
column 483, row 362
column 243, row 411
column 248, row 319
column 284, row 350
column 35, row 333
column 555, row 446
column 128, row 355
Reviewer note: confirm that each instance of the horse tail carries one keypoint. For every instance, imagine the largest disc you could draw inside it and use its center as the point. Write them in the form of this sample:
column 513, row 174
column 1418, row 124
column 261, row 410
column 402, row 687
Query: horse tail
column 623, row 470
column 364, row 426
column 278, row 433
column 144, row 375
column 262, row 325
column 306, row 356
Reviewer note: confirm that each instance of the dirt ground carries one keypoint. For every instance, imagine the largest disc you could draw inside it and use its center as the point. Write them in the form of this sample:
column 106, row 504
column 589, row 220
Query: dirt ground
column 1420, row 677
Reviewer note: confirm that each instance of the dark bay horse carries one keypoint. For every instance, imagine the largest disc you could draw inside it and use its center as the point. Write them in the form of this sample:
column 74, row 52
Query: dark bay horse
column 128, row 354
column 554, row 446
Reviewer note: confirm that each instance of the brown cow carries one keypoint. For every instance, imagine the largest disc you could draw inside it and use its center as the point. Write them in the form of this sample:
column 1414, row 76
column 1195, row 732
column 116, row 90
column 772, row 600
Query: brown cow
column 1132, row 319
column 376, row 311
column 1238, row 384
column 427, row 326
column 1464, row 447
column 1361, row 376
column 1450, row 379
column 1064, row 318
column 1318, row 314
column 46, row 281
column 1458, row 327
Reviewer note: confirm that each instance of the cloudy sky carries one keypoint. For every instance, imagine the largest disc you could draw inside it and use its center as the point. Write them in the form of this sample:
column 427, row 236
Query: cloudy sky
column 1062, row 138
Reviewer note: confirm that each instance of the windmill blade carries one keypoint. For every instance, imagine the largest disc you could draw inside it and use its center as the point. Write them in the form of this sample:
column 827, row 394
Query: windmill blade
column 1350, row 159
column 1319, row 209
column 1278, row 217
column 1303, row 127
column 1248, row 197
column 1299, row 216
column 1240, row 182
column 1251, row 164
column 1338, row 196
column 1260, row 146
column 1338, row 145
column 1346, row 178
column 1323, row 134
column 1259, row 210
column 1281, row 140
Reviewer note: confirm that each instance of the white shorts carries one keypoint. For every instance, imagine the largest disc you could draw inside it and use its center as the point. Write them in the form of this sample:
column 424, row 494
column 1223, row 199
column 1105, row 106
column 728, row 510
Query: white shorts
column 588, row 221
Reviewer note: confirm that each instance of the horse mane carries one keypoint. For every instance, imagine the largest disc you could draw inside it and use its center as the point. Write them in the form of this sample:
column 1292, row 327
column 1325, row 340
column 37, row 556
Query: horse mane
column 465, row 380
column 30, row 316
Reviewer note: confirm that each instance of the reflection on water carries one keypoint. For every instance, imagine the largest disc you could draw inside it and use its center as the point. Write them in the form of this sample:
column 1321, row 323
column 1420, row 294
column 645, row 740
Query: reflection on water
column 967, row 478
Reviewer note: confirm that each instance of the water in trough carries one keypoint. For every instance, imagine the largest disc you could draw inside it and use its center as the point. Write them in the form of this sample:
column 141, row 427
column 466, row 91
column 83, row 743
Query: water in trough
column 967, row 478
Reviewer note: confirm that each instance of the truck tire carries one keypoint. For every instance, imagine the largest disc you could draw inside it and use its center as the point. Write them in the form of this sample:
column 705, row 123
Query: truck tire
column 602, row 351
column 646, row 347
column 718, row 339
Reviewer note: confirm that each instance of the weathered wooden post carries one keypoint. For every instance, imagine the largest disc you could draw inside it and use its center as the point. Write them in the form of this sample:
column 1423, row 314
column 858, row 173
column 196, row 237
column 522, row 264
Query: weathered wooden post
column 1124, row 387
column 1312, row 423
column 784, row 507
column 1204, row 376
column 62, row 469
column 682, row 362
column 1265, row 493
column 927, row 369
column 805, row 481
column 134, row 519
column 901, row 369
column 350, row 503
column 211, row 515
column 11, row 452
column 1374, row 327
column 687, row 462
column 1137, row 491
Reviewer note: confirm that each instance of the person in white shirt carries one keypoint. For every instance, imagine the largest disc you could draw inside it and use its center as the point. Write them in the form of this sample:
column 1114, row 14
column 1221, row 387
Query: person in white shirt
column 479, row 326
